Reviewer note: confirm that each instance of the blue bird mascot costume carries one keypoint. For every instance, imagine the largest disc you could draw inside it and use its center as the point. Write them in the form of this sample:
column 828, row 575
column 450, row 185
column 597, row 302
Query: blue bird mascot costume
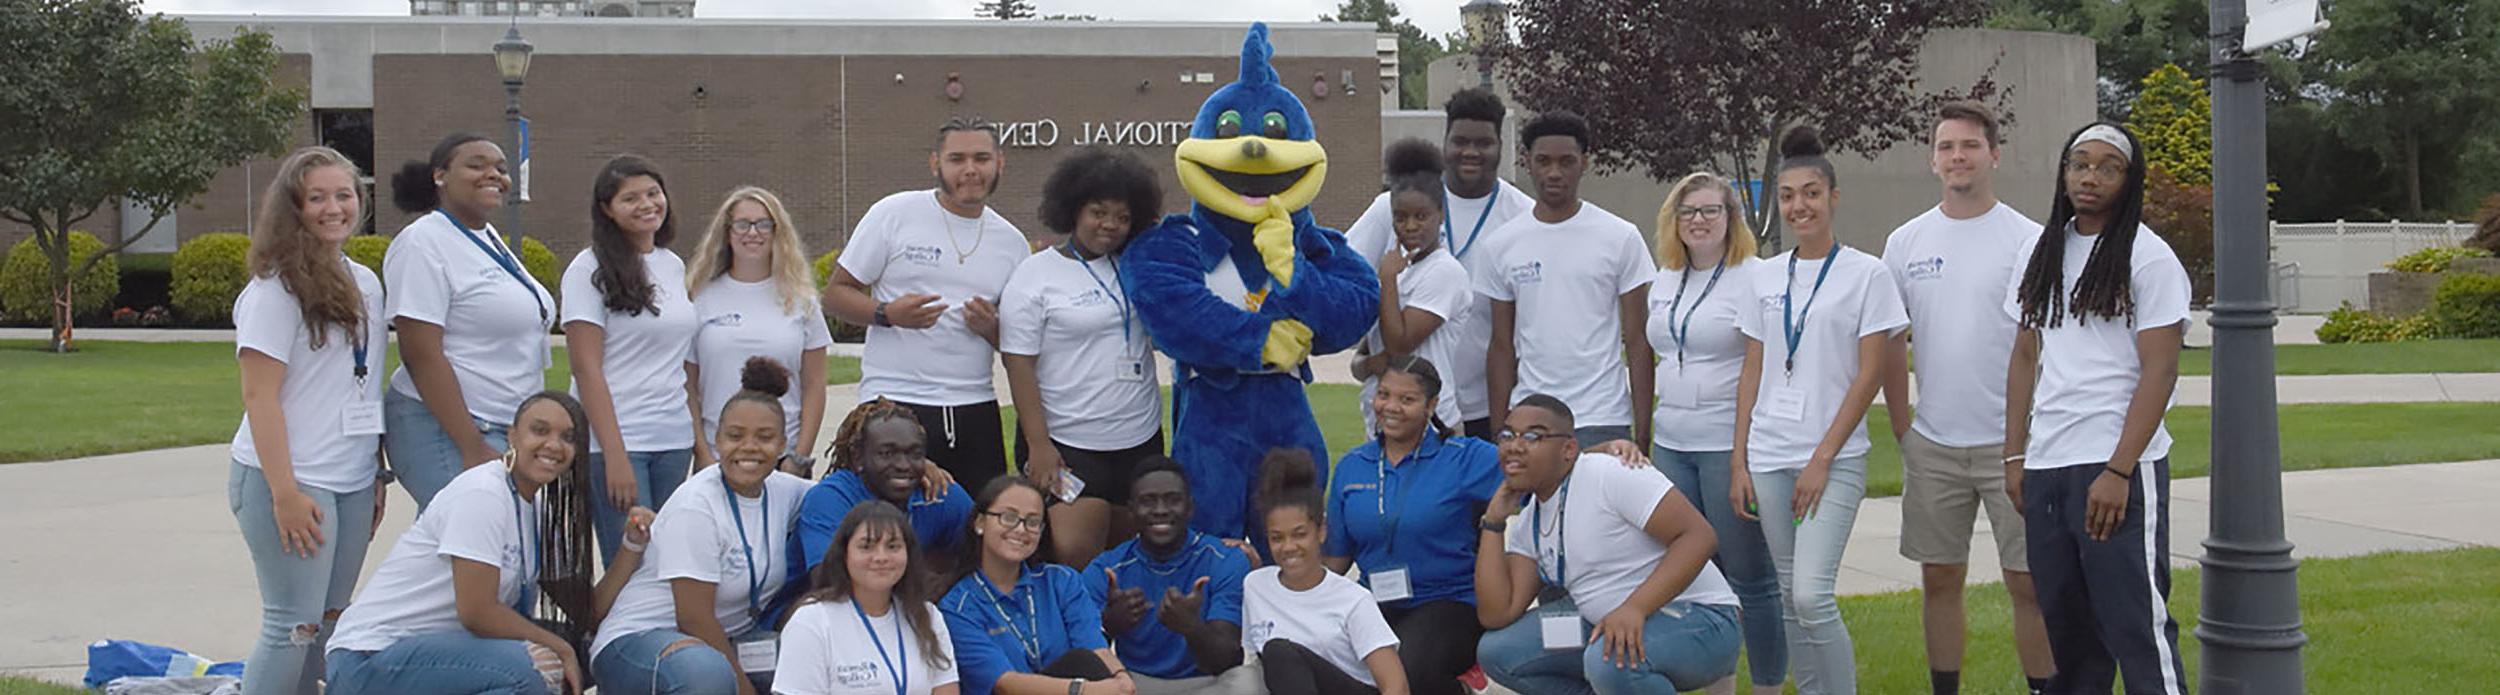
column 1243, row 289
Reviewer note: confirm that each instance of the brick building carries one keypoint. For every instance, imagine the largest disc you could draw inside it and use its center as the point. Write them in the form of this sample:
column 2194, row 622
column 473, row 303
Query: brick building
column 832, row 115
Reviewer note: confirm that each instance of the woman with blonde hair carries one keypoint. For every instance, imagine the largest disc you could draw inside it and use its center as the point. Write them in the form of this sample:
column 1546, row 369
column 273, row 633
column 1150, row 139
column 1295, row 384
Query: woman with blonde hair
column 306, row 482
column 755, row 297
column 1704, row 253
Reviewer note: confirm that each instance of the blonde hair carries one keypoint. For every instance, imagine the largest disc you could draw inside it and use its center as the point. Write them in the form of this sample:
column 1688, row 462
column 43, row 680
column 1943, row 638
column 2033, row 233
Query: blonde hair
column 284, row 249
column 792, row 275
column 1670, row 251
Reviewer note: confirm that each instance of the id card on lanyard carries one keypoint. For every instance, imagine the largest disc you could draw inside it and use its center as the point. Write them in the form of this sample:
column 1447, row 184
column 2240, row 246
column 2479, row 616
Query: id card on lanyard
column 503, row 257
column 363, row 417
column 1559, row 627
column 1388, row 583
column 525, row 537
column 1028, row 635
column 760, row 650
column 1132, row 362
column 900, row 668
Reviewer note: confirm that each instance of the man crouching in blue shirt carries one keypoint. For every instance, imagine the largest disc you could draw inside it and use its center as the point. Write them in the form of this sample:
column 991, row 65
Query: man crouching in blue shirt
column 1171, row 598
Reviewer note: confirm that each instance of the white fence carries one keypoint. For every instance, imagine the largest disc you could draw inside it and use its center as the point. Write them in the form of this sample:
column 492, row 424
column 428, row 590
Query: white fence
column 2322, row 265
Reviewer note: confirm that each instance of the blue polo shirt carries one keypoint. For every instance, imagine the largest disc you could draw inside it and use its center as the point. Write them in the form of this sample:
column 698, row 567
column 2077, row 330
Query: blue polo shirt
column 1419, row 514
column 1022, row 630
column 1149, row 648
column 938, row 523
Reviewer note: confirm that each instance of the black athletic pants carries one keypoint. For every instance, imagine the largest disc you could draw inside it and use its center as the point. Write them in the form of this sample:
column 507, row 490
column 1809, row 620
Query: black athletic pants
column 965, row 440
column 1293, row 668
column 2106, row 602
column 1437, row 642
column 1080, row 664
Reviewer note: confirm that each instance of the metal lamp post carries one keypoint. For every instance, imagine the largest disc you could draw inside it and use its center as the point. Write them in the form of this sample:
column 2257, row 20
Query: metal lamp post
column 1487, row 21
column 512, row 60
column 2250, row 616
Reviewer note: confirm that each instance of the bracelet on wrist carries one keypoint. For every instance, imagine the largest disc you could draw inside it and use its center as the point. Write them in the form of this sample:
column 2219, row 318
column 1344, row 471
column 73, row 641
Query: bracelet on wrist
column 2017, row 458
column 2122, row 475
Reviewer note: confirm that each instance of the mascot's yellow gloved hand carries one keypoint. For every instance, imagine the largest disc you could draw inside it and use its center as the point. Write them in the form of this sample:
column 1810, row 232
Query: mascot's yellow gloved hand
column 1288, row 343
column 1273, row 237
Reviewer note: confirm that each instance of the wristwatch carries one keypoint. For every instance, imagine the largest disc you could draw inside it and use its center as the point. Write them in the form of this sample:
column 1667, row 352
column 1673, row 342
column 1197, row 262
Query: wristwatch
column 1076, row 686
column 1493, row 525
column 880, row 318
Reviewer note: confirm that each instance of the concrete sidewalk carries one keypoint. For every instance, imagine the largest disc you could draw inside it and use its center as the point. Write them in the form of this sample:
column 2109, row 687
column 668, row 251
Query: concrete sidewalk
column 144, row 546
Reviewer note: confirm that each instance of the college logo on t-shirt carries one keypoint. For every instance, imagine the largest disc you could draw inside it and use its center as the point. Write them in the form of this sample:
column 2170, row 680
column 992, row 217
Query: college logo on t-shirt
column 1092, row 297
column 923, row 255
column 858, row 675
column 1528, row 273
column 729, row 320
column 1262, row 630
column 1927, row 269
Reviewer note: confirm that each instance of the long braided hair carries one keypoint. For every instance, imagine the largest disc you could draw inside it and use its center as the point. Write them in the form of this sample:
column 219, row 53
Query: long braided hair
column 564, row 533
column 846, row 451
column 2103, row 290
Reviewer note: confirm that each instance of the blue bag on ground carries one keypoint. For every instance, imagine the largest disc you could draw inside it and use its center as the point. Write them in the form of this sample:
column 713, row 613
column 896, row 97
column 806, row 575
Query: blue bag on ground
column 112, row 658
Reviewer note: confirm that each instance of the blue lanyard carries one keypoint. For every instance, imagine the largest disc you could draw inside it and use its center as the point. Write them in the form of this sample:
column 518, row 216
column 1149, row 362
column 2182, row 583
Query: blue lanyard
column 1793, row 321
column 528, row 569
column 1030, row 636
column 1680, row 334
column 1115, row 297
column 902, row 678
column 1381, row 503
column 1449, row 236
column 755, row 579
column 502, row 257
column 1536, row 530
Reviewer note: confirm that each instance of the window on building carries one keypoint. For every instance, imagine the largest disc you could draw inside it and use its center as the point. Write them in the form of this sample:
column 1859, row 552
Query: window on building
column 350, row 131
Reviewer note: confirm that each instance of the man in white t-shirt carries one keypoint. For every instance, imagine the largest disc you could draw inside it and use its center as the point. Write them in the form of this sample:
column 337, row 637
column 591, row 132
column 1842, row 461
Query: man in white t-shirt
column 1480, row 203
column 1952, row 264
column 1565, row 281
column 924, row 270
column 1619, row 565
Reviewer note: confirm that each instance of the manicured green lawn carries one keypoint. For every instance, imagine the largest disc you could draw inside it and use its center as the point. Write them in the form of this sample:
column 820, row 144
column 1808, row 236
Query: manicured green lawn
column 2394, row 622
column 2445, row 356
column 114, row 396
column 21, row 685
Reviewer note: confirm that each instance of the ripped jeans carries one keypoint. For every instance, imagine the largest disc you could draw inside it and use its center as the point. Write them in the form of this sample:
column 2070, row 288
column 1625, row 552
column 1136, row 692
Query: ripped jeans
column 299, row 596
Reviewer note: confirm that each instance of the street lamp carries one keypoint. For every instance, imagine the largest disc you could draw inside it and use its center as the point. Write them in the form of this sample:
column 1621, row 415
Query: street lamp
column 512, row 60
column 1488, row 21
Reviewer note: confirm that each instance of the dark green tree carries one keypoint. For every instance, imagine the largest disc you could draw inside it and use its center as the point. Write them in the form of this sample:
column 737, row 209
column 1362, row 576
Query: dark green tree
column 2132, row 37
column 99, row 103
column 1005, row 9
column 2418, row 80
column 1416, row 50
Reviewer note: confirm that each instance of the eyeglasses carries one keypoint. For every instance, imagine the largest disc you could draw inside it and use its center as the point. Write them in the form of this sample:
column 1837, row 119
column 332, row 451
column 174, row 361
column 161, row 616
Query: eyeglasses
column 1013, row 522
column 751, row 226
column 1700, row 212
column 2104, row 171
column 1532, row 437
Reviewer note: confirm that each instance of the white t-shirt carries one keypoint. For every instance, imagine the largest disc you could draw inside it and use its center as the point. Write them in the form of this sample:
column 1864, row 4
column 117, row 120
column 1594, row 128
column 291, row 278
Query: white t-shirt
column 644, row 355
column 1338, row 620
column 747, row 319
column 1696, row 405
column 1565, row 281
column 473, row 518
column 1094, row 363
column 2089, row 368
column 825, row 650
column 1596, row 541
column 494, row 326
column 1857, row 300
column 696, row 538
column 320, row 384
column 908, row 244
column 1472, row 225
column 1950, row 272
column 1438, row 285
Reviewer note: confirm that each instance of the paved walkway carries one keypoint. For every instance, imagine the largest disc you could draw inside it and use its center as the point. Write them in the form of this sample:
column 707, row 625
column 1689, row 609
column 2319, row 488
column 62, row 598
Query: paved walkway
column 143, row 545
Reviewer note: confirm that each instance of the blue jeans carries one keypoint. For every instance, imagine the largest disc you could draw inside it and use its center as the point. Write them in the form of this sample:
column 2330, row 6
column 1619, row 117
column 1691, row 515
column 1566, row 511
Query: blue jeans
column 656, row 474
column 1688, row 645
column 299, row 596
column 1808, row 557
column 443, row 662
column 1743, row 557
column 423, row 455
column 643, row 663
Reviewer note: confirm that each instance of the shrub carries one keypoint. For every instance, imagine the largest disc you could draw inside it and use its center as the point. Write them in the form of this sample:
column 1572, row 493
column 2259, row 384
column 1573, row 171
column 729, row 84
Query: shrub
column 842, row 332
column 366, row 250
column 2350, row 324
column 2183, row 213
column 2467, row 305
column 541, row 264
column 209, row 272
column 2434, row 259
column 824, row 266
column 26, row 281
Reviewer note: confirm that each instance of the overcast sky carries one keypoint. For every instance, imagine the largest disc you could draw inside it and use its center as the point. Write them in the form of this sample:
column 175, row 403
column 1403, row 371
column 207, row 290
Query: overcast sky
column 1436, row 17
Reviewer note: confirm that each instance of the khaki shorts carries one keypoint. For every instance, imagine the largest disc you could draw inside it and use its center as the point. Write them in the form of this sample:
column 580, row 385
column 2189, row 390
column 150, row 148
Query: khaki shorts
column 1942, row 489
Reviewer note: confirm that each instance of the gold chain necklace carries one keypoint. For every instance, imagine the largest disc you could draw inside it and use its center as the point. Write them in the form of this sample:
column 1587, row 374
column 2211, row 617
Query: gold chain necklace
column 979, row 230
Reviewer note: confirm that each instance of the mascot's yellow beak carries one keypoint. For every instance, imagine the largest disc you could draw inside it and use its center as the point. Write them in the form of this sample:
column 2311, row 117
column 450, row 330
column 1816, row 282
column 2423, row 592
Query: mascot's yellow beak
column 1246, row 177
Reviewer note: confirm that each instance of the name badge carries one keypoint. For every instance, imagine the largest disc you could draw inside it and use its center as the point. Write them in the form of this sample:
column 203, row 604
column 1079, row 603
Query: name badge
column 1681, row 396
column 1390, row 585
column 1130, row 369
column 362, row 418
column 1561, row 630
column 760, row 653
column 1788, row 403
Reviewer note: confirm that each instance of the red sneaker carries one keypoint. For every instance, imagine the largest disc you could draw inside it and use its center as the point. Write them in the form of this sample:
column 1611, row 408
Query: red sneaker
column 1474, row 680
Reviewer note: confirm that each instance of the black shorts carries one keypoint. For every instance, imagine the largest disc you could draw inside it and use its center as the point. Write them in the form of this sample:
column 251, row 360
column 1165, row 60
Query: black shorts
column 964, row 440
column 1106, row 473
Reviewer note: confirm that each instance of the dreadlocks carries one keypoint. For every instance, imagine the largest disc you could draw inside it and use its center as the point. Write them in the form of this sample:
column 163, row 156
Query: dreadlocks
column 845, row 452
column 2103, row 290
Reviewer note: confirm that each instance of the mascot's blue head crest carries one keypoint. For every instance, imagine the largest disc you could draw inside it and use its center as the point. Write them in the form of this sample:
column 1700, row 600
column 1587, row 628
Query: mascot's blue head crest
column 1252, row 147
